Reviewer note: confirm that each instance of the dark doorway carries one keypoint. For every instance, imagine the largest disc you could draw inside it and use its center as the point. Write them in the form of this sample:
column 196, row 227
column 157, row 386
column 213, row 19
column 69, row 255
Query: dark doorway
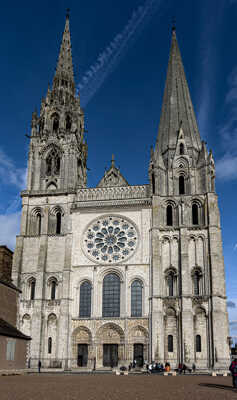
column 138, row 354
column 110, row 355
column 82, row 355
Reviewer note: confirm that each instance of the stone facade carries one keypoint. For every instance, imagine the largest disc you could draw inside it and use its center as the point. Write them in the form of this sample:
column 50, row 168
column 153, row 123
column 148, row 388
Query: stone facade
column 161, row 241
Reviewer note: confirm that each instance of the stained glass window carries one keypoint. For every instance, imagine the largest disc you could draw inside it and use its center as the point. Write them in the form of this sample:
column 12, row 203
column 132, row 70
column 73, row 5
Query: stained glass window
column 85, row 300
column 136, row 298
column 110, row 240
column 111, row 296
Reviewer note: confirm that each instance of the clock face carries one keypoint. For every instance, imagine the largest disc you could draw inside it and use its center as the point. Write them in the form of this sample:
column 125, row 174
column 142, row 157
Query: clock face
column 110, row 239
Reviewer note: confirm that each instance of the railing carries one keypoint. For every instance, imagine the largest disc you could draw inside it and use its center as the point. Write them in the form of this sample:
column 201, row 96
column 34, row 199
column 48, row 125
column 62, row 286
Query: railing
column 197, row 366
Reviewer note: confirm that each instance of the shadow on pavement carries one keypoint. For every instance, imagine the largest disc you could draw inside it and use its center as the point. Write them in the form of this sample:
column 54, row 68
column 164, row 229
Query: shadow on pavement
column 216, row 386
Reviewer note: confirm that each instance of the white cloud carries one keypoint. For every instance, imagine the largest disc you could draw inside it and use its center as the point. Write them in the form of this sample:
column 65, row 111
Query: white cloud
column 10, row 227
column 9, row 174
column 235, row 246
column 232, row 311
column 226, row 167
column 113, row 53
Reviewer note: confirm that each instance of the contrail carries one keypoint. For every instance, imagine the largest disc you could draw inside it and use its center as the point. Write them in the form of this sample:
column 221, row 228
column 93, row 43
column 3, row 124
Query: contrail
column 110, row 57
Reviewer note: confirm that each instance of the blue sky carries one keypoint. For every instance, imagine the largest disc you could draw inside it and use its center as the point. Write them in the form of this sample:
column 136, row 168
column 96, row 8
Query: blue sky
column 120, row 55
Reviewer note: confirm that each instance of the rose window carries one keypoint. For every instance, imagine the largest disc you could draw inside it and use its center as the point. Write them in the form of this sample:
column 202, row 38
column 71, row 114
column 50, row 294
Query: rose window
column 110, row 240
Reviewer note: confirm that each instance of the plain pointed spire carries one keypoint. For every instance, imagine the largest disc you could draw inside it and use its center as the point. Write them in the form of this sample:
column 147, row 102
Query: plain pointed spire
column 177, row 106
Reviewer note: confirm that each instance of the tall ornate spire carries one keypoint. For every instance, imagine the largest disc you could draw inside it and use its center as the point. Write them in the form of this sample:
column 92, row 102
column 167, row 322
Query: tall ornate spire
column 64, row 70
column 177, row 107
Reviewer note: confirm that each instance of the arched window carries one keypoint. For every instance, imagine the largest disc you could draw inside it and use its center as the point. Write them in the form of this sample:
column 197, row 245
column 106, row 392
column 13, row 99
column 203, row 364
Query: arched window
column 55, row 123
column 53, row 290
column 198, row 344
column 181, row 185
column 136, row 298
column 68, row 123
column 49, row 163
column 53, row 163
column 169, row 215
column 57, row 164
column 170, row 344
column 153, row 183
column 38, row 223
column 196, row 283
column 170, row 282
column 85, row 300
column 58, row 223
column 181, row 149
column 111, row 296
column 195, row 214
column 32, row 289
column 49, row 345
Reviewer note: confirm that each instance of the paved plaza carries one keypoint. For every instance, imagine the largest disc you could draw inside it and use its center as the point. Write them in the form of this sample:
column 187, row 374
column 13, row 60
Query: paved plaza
column 106, row 387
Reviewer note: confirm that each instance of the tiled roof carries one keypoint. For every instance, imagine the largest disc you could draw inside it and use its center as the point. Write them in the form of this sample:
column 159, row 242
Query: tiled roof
column 9, row 284
column 7, row 329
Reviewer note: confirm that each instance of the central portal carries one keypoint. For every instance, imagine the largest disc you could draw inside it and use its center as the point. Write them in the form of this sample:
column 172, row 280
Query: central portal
column 110, row 355
column 82, row 357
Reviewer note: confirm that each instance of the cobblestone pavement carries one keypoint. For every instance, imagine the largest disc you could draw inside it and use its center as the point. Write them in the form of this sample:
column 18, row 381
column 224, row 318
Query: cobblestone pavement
column 112, row 387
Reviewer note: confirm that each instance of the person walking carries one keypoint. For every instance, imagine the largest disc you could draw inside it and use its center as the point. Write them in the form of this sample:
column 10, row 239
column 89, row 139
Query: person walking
column 184, row 368
column 39, row 366
column 194, row 367
column 233, row 370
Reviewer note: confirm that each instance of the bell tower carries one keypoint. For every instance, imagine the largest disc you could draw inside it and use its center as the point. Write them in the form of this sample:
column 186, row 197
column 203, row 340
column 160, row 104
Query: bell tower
column 58, row 151
column 189, row 320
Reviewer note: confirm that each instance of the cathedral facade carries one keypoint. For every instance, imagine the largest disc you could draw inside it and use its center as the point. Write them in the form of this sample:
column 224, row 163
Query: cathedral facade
column 117, row 273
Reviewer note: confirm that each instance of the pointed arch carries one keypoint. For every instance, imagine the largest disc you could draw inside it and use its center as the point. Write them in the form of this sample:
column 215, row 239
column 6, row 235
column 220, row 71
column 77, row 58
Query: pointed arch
column 53, row 161
column 55, row 122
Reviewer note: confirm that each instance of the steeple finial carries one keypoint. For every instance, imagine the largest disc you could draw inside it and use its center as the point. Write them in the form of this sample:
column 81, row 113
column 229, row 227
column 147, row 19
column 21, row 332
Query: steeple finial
column 173, row 24
column 67, row 13
column 112, row 161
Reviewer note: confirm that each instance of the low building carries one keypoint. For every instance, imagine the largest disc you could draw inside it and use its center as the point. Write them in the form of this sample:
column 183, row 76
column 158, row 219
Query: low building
column 13, row 343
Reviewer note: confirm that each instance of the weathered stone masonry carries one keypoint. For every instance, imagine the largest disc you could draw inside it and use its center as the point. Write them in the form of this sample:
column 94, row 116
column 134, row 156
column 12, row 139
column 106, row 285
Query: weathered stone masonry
column 119, row 272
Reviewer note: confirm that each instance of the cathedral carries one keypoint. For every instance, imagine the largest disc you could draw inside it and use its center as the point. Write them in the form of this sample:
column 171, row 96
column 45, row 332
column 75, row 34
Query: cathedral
column 116, row 273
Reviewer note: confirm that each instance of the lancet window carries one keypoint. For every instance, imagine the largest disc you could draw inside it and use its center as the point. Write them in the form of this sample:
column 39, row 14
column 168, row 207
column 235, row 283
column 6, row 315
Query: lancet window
column 136, row 298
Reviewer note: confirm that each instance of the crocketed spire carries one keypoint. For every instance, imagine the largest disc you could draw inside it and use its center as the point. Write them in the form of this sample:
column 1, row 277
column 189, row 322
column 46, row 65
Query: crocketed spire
column 64, row 70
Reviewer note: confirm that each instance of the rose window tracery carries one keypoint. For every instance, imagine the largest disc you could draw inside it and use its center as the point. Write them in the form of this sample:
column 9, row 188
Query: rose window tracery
column 110, row 240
